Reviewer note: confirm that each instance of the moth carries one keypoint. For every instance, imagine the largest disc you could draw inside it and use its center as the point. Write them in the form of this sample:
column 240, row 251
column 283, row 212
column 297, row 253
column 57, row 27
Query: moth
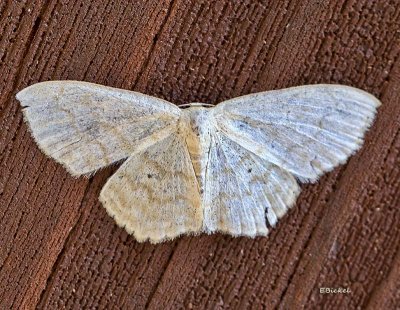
column 233, row 168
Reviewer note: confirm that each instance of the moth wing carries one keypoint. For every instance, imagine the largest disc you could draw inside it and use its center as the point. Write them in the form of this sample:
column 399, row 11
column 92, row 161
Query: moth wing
column 86, row 126
column 244, row 193
column 306, row 130
column 154, row 194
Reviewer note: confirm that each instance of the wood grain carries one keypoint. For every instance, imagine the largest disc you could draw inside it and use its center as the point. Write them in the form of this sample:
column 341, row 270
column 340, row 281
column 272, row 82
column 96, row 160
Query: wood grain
column 58, row 247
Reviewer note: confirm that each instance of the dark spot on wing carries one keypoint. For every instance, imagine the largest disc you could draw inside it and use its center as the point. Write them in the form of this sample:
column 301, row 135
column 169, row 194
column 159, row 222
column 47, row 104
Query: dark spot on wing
column 266, row 219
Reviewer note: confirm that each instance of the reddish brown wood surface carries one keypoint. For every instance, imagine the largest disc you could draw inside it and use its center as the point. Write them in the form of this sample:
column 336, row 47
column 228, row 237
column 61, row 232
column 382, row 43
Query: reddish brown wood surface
column 58, row 247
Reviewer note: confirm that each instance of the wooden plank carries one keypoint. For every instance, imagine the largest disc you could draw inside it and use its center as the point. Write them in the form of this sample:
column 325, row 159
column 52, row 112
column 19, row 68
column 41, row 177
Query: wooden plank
column 59, row 248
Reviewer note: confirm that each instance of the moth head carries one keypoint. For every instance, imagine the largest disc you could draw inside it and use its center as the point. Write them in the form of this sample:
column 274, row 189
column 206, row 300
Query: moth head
column 196, row 105
column 195, row 120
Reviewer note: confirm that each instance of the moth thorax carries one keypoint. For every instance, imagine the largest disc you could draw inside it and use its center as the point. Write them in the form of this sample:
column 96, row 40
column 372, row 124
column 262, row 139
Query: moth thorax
column 195, row 124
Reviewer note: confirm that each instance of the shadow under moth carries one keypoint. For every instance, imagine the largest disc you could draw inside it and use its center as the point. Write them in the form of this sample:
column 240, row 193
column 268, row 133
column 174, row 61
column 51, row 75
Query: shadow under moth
column 233, row 168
